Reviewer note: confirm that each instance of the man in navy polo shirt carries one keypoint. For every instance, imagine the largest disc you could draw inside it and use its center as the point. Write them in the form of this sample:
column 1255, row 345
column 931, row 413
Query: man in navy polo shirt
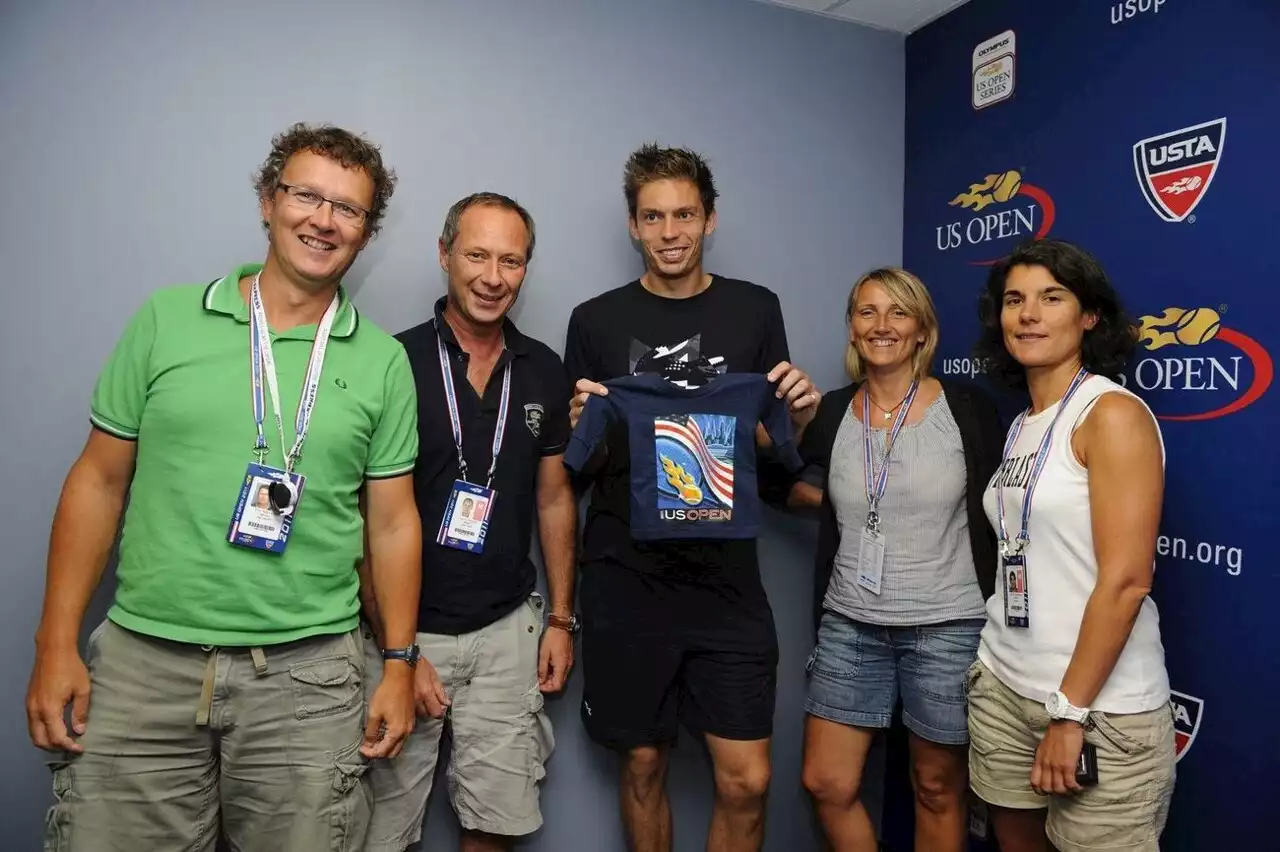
column 493, row 427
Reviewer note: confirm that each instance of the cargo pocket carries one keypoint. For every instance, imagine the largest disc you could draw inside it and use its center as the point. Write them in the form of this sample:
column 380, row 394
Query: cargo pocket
column 352, row 802
column 323, row 687
column 540, row 737
column 1109, row 731
column 57, row 823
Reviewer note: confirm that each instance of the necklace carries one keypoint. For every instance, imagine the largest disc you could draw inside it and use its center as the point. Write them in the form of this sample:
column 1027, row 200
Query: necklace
column 888, row 412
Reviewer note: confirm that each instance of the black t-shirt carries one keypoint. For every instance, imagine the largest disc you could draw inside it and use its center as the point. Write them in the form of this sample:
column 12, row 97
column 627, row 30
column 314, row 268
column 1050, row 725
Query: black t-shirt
column 463, row 591
column 731, row 326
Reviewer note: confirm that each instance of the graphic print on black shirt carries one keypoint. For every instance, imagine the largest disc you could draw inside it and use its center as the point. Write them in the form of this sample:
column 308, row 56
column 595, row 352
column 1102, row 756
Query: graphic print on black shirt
column 682, row 364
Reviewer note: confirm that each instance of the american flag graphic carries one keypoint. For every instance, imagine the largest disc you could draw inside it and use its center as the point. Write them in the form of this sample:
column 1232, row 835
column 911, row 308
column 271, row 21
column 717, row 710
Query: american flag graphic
column 717, row 473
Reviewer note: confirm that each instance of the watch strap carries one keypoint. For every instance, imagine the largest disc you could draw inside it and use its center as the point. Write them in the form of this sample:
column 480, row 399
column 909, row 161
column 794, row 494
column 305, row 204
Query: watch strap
column 409, row 655
column 569, row 623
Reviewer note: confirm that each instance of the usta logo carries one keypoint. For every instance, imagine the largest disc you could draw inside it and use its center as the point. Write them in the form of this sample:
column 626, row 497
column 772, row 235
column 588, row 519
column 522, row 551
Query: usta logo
column 1176, row 168
column 1187, row 713
column 1021, row 210
column 1217, row 371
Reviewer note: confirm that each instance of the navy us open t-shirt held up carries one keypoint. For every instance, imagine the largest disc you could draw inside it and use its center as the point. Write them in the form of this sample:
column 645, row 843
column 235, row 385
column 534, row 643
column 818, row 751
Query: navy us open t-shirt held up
column 693, row 451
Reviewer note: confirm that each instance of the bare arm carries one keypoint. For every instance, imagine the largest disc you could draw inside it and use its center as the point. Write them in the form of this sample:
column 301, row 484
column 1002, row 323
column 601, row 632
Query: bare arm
column 394, row 557
column 84, row 528
column 393, row 560
column 1119, row 444
column 368, row 598
column 557, row 531
column 557, row 528
column 804, row 496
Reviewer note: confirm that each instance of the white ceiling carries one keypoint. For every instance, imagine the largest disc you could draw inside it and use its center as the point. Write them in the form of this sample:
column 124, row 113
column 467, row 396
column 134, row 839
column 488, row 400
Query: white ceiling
column 903, row 16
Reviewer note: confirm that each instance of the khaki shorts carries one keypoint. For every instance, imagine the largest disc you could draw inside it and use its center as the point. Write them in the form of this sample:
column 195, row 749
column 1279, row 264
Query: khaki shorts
column 501, row 736
column 1125, row 810
column 183, row 741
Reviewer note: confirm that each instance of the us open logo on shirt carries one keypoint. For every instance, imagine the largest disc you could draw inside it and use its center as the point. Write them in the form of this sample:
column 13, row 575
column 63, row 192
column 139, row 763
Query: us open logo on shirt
column 694, row 457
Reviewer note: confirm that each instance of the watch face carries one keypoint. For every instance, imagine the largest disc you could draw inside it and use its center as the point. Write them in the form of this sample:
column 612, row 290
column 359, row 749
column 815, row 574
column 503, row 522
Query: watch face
column 1055, row 704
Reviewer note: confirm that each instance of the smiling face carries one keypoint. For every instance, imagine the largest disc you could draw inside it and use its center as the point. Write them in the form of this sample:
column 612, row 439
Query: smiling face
column 670, row 224
column 1042, row 321
column 315, row 246
column 486, row 264
column 884, row 333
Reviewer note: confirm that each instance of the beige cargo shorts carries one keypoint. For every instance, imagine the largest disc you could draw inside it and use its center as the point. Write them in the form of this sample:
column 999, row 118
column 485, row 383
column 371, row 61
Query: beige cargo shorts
column 500, row 735
column 185, row 741
column 1125, row 810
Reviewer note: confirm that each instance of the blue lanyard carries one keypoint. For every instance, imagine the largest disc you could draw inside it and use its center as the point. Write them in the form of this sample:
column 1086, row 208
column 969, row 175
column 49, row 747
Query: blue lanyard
column 262, row 362
column 451, row 397
column 1015, row 547
column 876, row 483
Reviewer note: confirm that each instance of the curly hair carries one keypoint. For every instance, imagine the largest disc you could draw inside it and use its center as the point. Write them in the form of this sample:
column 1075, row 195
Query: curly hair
column 651, row 163
column 1104, row 349
column 339, row 145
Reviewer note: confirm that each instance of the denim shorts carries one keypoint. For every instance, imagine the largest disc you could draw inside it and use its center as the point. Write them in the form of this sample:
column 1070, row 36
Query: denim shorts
column 857, row 671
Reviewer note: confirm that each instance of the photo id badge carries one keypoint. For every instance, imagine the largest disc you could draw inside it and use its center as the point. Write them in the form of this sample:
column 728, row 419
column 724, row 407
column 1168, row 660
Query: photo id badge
column 871, row 560
column 263, row 515
column 466, row 517
column 1017, row 602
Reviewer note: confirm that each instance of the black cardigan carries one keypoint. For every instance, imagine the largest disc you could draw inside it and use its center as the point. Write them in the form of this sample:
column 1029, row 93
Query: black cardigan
column 982, row 437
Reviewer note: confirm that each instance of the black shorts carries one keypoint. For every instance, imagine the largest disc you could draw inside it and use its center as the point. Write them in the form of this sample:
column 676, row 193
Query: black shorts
column 660, row 650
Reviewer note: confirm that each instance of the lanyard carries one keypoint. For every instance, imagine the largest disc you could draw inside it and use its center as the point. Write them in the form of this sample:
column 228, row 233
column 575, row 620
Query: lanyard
column 875, row 490
column 262, row 360
column 451, row 397
column 1015, row 547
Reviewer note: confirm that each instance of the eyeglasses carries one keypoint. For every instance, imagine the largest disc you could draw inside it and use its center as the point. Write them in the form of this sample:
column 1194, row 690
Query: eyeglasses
column 309, row 199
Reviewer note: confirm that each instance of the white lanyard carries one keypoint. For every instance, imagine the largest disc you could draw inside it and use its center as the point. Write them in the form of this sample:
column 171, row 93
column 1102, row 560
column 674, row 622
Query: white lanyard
column 262, row 360
column 451, row 398
column 877, row 484
column 1013, row 548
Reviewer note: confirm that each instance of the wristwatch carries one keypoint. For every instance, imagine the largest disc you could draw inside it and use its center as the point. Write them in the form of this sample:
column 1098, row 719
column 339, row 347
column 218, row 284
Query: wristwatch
column 409, row 655
column 1060, row 708
column 573, row 624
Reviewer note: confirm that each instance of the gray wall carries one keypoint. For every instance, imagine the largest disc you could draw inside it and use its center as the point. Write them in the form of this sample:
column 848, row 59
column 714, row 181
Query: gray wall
column 129, row 132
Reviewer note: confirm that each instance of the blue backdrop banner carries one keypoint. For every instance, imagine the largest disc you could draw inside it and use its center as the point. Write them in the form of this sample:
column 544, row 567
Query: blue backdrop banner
column 1145, row 131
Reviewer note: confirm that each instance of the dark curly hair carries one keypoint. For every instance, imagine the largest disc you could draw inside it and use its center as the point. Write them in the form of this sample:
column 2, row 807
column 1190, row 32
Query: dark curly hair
column 651, row 163
column 1105, row 348
column 339, row 145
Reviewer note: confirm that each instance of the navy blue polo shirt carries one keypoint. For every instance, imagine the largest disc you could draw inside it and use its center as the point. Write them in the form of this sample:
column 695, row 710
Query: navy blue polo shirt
column 462, row 591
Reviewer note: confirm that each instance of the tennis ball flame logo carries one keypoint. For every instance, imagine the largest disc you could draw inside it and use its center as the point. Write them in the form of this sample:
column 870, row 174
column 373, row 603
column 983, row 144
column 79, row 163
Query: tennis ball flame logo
column 994, row 189
column 684, row 482
column 1221, row 368
column 1189, row 327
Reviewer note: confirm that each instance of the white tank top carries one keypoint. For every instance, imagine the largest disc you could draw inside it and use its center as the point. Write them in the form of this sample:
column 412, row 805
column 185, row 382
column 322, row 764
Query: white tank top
column 1062, row 571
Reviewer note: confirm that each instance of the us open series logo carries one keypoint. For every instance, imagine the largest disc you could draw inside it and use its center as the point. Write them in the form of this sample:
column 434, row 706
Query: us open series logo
column 994, row 69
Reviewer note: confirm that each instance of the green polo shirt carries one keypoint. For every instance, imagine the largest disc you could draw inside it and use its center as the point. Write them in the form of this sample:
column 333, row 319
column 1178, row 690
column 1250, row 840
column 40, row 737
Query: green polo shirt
column 179, row 384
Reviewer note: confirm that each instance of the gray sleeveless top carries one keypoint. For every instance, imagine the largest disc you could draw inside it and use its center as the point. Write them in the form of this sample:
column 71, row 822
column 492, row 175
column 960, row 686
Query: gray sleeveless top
column 928, row 565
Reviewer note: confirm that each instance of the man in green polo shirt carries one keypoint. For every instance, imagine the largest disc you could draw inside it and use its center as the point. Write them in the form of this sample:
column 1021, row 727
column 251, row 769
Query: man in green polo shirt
column 265, row 434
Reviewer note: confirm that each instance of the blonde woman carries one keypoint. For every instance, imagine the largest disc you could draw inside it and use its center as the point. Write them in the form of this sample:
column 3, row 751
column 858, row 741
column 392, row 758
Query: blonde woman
column 906, row 560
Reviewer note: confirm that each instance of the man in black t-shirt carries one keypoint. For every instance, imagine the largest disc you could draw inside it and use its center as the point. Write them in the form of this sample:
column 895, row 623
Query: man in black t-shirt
column 493, row 425
column 677, row 632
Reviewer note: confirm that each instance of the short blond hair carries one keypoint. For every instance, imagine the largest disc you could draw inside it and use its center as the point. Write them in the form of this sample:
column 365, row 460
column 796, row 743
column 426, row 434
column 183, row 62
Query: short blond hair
column 909, row 293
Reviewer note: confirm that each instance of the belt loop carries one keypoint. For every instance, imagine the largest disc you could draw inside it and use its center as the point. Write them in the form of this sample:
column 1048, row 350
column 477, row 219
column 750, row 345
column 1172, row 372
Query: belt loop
column 259, row 661
column 206, row 690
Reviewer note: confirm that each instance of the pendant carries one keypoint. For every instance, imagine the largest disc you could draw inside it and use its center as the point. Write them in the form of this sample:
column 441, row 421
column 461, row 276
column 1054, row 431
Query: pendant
column 888, row 414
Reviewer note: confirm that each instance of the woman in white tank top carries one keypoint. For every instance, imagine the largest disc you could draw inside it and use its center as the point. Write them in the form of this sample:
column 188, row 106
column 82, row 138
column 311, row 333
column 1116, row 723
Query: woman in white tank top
column 1071, row 659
